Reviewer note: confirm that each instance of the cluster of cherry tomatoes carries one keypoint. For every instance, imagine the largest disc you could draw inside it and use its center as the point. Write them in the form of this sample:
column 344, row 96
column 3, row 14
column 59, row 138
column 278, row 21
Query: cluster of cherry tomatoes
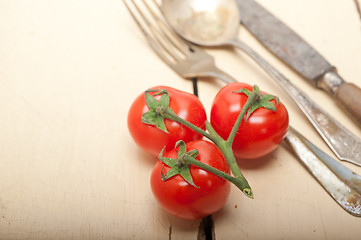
column 259, row 135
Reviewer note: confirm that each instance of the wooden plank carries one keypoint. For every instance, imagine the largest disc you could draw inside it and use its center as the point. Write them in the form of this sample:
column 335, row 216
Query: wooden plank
column 69, row 71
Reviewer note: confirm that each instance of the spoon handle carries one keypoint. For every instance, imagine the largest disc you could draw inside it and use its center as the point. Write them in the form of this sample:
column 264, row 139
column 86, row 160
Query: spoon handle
column 220, row 74
column 345, row 145
column 332, row 175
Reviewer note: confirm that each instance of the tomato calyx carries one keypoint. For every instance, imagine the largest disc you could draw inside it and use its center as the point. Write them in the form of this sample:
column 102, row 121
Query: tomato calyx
column 255, row 100
column 179, row 166
column 160, row 110
column 155, row 114
column 260, row 100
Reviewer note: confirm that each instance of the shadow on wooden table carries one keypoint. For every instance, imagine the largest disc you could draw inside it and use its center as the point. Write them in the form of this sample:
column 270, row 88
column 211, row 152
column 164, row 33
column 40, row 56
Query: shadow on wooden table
column 258, row 162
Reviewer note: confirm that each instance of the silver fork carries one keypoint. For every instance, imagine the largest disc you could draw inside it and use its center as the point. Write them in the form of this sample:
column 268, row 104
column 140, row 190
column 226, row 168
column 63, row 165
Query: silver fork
column 184, row 58
column 189, row 61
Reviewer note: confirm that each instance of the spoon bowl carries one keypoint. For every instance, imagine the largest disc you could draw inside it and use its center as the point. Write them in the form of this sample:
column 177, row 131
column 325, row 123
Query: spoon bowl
column 204, row 22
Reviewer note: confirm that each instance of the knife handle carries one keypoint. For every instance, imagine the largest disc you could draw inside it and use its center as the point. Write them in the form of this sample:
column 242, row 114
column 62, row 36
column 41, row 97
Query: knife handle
column 348, row 95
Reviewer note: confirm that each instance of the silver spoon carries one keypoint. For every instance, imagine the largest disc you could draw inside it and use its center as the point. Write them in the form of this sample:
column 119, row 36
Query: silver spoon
column 216, row 23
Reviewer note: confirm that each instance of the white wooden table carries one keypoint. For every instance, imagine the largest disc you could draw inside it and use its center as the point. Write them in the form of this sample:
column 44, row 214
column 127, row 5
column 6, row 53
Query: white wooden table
column 69, row 169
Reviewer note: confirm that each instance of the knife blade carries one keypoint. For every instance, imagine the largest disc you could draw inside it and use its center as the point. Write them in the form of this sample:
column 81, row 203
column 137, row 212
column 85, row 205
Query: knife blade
column 299, row 55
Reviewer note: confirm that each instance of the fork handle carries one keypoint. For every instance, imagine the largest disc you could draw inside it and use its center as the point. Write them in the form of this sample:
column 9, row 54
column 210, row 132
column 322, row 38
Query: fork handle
column 218, row 73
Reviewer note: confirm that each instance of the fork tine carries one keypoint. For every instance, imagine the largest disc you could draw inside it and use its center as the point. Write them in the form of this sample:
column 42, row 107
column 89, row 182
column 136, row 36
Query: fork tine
column 184, row 58
column 159, row 31
column 145, row 26
column 162, row 45
column 169, row 33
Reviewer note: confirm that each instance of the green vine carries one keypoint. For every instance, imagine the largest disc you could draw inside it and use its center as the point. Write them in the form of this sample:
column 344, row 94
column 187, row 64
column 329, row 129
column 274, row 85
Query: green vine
column 160, row 110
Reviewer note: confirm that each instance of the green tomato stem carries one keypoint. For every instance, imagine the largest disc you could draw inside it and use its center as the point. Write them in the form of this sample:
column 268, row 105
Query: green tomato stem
column 251, row 99
column 172, row 116
column 213, row 132
column 224, row 145
column 238, row 182
column 227, row 151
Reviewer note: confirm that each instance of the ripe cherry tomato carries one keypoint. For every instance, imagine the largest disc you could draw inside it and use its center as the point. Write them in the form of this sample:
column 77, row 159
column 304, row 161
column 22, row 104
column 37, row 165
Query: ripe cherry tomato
column 263, row 131
column 180, row 198
column 152, row 139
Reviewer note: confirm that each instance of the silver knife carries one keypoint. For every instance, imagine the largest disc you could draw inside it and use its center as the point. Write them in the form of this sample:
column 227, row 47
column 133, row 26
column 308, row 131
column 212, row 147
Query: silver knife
column 298, row 54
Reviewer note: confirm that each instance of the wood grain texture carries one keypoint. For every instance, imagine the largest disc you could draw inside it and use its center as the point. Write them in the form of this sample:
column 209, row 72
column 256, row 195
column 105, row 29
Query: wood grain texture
column 69, row 71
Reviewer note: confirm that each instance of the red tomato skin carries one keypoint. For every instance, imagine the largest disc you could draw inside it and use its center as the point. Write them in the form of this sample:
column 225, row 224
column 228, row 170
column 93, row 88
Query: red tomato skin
column 263, row 131
column 181, row 199
column 151, row 139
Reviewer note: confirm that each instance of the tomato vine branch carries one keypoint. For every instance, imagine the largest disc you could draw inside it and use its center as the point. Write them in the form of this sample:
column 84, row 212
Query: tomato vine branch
column 161, row 110
column 239, row 183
